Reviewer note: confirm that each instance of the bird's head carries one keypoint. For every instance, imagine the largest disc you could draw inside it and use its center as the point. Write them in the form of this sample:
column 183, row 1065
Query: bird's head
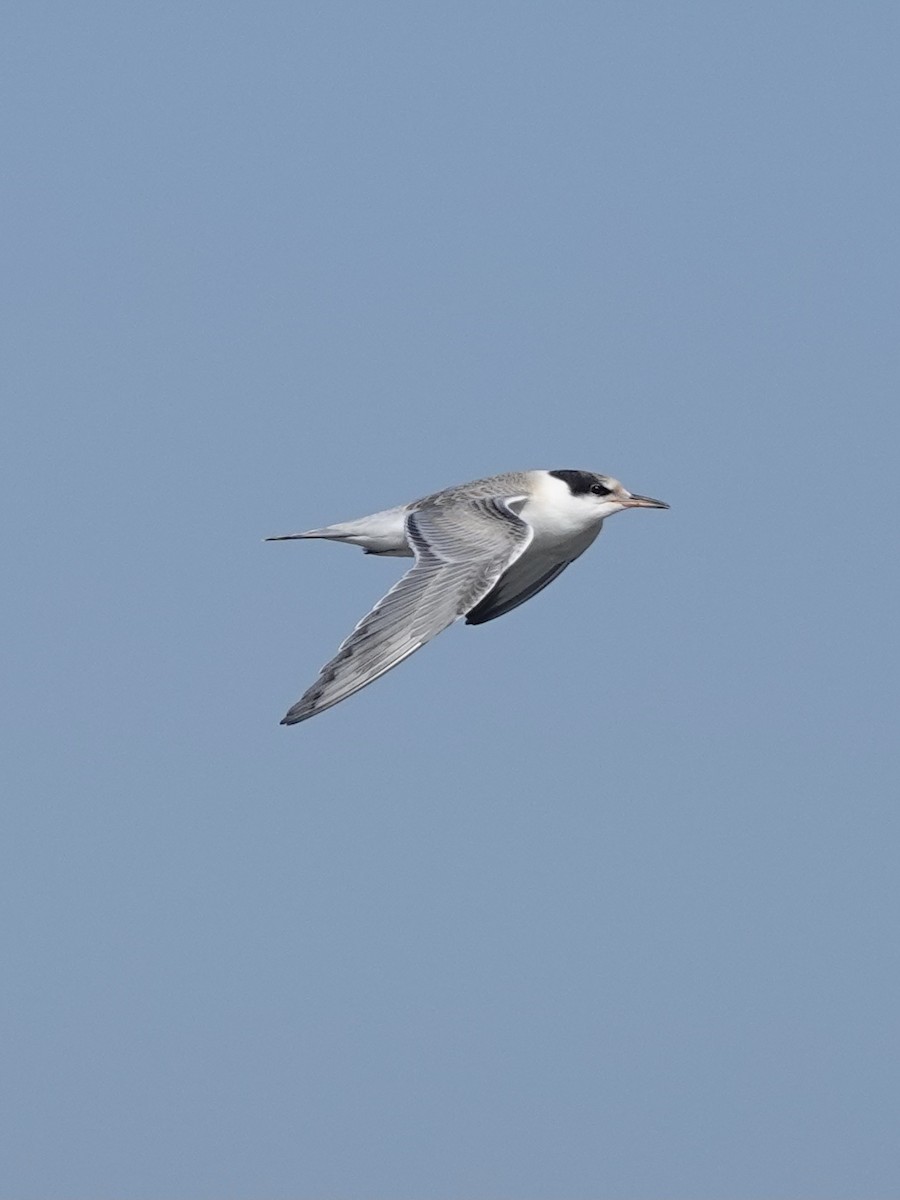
column 602, row 493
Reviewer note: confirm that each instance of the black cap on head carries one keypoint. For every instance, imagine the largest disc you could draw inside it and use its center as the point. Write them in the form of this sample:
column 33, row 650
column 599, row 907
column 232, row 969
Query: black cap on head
column 580, row 482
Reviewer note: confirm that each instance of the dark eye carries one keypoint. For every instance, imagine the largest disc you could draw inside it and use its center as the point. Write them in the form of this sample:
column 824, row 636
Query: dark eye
column 599, row 490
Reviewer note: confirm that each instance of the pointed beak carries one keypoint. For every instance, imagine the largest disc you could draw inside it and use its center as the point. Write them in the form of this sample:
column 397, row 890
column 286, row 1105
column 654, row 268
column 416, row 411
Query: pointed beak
column 643, row 502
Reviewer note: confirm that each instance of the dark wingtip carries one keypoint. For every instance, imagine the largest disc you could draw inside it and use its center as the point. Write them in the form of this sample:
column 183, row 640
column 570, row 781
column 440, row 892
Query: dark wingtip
column 293, row 717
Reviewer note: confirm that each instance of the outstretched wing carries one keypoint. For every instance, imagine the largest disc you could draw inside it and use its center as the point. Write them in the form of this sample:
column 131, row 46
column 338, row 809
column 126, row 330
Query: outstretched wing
column 462, row 548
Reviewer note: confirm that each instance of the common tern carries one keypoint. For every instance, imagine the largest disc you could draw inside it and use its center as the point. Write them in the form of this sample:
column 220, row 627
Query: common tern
column 481, row 550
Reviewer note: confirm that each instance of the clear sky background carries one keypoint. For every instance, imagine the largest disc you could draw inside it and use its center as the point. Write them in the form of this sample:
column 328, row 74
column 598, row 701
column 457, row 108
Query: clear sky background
column 599, row 900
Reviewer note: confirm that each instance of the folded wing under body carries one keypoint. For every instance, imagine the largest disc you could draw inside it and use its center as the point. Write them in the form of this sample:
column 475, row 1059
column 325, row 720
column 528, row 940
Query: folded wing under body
column 524, row 579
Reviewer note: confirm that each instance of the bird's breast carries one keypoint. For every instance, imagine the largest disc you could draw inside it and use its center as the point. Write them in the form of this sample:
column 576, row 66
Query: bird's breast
column 559, row 526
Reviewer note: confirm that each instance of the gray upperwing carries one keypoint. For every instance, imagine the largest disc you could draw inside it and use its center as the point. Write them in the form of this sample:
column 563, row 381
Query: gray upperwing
column 512, row 589
column 461, row 551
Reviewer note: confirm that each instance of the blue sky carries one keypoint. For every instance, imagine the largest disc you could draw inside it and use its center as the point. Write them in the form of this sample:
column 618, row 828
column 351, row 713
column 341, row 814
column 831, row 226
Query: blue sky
column 598, row 900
